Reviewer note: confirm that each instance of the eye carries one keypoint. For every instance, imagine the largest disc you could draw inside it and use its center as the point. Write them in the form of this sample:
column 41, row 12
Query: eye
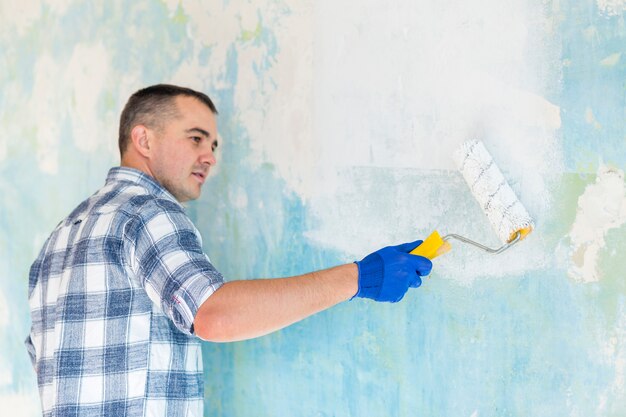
column 196, row 139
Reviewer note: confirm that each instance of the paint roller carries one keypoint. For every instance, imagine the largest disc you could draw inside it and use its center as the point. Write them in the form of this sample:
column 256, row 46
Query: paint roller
column 505, row 212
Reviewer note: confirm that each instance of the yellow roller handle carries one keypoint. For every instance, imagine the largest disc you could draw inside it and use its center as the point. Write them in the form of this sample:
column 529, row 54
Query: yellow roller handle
column 432, row 247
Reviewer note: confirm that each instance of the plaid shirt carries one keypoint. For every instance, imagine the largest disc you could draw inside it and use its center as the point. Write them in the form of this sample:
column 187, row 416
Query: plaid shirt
column 113, row 295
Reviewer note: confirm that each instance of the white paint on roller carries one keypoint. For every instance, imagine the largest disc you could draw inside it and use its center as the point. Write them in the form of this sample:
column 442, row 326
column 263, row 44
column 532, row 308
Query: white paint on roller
column 601, row 207
column 495, row 196
column 409, row 205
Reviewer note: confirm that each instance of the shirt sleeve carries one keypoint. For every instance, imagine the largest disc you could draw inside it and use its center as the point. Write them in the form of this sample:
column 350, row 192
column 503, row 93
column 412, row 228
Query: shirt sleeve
column 166, row 255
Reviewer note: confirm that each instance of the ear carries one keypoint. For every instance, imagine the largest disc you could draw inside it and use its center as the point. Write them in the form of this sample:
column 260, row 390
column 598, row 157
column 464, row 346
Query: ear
column 141, row 138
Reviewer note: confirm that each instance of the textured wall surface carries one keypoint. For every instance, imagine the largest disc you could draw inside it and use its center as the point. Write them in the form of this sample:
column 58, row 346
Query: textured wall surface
column 338, row 121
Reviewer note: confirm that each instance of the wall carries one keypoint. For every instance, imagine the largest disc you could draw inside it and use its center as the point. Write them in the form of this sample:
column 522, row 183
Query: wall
column 338, row 120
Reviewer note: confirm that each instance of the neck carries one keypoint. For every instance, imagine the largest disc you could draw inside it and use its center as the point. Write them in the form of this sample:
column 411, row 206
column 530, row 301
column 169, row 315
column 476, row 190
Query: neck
column 140, row 164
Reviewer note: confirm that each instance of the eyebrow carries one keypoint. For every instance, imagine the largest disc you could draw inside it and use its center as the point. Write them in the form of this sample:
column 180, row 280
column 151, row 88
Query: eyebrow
column 198, row 130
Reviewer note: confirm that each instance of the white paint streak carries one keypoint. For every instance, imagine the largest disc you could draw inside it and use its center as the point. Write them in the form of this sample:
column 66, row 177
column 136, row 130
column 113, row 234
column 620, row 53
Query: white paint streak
column 612, row 7
column 47, row 108
column 4, row 139
column 6, row 378
column 397, row 88
column 20, row 17
column 71, row 93
column 401, row 88
column 58, row 7
column 601, row 207
column 287, row 137
column 4, row 311
column 221, row 28
column 590, row 118
column 611, row 60
column 239, row 198
column 21, row 405
column 612, row 352
column 88, row 68
column 273, row 93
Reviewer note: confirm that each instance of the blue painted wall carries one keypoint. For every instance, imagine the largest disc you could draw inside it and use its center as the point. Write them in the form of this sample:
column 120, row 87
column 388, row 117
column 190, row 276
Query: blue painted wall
column 337, row 124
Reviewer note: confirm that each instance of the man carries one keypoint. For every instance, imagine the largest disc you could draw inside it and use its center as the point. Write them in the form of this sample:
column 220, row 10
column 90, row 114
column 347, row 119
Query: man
column 122, row 293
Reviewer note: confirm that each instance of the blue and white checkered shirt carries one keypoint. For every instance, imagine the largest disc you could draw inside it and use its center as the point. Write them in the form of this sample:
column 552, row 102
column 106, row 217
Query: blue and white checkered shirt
column 113, row 295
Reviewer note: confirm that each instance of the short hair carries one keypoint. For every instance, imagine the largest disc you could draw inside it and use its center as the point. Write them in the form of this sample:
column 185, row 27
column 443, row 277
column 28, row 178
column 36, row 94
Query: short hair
column 152, row 106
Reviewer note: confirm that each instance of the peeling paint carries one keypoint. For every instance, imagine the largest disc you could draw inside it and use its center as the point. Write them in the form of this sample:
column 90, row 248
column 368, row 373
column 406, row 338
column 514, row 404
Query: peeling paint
column 601, row 208
column 612, row 7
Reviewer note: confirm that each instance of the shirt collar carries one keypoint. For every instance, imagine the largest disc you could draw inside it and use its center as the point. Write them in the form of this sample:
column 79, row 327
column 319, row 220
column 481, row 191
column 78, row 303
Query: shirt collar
column 126, row 174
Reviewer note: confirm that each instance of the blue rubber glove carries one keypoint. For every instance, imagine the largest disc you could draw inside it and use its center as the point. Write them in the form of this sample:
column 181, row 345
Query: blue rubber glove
column 387, row 274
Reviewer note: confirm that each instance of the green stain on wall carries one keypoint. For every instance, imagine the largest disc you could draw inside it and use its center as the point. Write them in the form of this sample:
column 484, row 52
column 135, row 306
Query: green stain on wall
column 180, row 17
column 252, row 35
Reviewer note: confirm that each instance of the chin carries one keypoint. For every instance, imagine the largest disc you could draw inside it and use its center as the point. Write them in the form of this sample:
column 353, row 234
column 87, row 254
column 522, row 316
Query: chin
column 192, row 197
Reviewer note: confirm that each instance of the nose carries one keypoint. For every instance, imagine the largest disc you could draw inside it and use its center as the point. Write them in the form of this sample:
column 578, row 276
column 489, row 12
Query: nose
column 211, row 159
column 208, row 157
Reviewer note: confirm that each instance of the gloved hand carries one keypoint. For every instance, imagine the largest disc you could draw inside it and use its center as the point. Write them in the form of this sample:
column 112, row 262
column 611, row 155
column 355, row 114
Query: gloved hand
column 387, row 274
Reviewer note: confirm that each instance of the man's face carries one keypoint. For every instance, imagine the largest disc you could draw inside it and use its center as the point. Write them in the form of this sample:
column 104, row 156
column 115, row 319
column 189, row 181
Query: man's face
column 184, row 150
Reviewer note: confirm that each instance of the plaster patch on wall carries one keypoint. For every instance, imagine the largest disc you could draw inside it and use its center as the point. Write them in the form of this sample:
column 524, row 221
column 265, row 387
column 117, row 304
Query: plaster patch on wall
column 612, row 7
column 601, row 207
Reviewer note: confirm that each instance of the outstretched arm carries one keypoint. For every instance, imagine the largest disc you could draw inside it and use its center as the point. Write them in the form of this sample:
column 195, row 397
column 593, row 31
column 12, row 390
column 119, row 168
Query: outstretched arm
column 245, row 309
column 250, row 308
